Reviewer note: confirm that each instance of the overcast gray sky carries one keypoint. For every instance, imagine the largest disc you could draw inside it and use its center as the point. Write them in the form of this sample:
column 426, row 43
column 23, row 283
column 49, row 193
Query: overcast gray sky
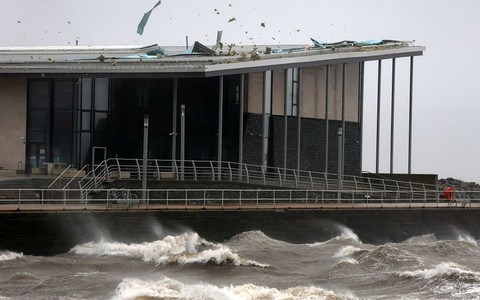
column 446, row 89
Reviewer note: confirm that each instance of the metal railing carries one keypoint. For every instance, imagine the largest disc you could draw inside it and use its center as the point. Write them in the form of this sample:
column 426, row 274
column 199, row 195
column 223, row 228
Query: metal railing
column 157, row 169
column 164, row 199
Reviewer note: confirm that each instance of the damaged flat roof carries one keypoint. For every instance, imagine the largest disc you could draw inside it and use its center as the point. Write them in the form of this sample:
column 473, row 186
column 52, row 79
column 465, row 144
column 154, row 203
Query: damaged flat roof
column 198, row 61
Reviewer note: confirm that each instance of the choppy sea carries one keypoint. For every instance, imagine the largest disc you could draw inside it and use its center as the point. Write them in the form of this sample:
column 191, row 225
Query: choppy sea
column 250, row 265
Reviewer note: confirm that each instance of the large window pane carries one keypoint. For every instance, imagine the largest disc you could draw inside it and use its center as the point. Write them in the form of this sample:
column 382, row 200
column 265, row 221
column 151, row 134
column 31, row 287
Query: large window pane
column 100, row 121
column 39, row 94
column 101, row 94
column 62, row 120
column 39, row 120
column 86, row 121
column 86, row 93
column 63, row 94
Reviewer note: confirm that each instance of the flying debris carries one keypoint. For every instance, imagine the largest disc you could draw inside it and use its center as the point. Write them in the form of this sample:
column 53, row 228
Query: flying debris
column 262, row 24
column 232, row 19
column 144, row 20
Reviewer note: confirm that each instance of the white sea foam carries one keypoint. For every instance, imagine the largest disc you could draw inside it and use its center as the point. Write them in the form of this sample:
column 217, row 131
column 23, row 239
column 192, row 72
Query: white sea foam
column 181, row 249
column 463, row 237
column 173, row 289
column 421, row 239
column 345, row 251
column 443, row 269
column 348, row 260
column 347, row 233
column 8, row 255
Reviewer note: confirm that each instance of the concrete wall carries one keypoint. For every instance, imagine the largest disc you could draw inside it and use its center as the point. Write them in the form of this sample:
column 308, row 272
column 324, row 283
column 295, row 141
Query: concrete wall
column 13, row 121
column 49, row 233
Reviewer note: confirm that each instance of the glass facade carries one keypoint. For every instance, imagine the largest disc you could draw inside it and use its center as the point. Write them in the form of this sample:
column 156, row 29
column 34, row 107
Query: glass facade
column 69, row 117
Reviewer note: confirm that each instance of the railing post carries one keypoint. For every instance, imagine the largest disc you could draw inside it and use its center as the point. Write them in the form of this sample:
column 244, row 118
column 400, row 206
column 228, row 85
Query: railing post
column 186, row 198
column 158, row 169
column 177, row 176
column 296, row 179
column 311, row 179
column 326, row 180
column 148, row 197
column 257, row 198
column 194, row 171
column 213, row 171
column 204, row 198
column 139, row 176
column 230, row 170
column 223, row 196
column 119, row 168
column 166, row 200
column 263, row 173
column 279, row 176
column 42, row 197
column 19, row 197
column 248, row 177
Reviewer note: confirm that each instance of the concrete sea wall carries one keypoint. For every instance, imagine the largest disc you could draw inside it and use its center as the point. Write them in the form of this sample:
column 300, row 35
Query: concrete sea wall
column 50, row 233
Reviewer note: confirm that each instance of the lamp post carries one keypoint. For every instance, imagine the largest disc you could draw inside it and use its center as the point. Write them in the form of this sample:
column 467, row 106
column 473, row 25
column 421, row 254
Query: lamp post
column 340, row 162
column 182, row 142
column 145, row 154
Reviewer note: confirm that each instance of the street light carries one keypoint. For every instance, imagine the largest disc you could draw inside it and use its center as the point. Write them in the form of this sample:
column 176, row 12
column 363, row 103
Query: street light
column 145, row 154
column 182, row 142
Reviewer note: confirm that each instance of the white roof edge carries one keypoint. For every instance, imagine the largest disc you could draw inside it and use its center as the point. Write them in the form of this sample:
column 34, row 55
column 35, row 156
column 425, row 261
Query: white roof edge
column 317, row 58
column 73, row 49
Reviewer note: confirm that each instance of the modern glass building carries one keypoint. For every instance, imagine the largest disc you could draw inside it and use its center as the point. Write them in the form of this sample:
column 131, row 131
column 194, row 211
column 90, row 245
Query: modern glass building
column 281, row 106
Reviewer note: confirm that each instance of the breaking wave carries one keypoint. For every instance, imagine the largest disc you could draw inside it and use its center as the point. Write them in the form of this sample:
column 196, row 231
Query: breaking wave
column 8, row 255
column 346, row 251
column 186, row 248
column 172, row 289
column 446, row 270
column 387, row 256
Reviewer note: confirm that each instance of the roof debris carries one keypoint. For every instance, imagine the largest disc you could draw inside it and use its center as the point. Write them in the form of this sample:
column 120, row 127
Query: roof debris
column 145, row 17
column 232, row 19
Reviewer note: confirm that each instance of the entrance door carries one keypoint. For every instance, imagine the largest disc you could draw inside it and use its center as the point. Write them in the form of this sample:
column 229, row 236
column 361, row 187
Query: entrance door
column 99, row 154
column 37, row 155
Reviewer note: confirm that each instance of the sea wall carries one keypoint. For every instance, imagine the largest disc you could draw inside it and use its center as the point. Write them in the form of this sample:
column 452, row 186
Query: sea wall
column 49, row 233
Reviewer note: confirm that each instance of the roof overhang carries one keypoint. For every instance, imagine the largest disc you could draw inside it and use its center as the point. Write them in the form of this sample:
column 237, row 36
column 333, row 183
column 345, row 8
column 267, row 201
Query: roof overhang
column 115, row 63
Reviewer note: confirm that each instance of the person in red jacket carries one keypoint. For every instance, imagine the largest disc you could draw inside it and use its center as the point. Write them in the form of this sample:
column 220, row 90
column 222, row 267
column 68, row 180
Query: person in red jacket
column 449, row 194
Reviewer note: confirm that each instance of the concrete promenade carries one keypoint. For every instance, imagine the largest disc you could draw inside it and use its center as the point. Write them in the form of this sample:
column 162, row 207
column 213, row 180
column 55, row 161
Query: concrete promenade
column 49, row 207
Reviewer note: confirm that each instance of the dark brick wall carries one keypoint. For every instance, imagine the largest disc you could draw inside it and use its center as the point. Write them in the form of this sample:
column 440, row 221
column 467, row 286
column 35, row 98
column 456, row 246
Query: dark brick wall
column 312, row 144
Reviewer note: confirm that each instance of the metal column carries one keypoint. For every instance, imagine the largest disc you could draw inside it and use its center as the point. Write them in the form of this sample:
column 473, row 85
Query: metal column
column 220, row 127
column 344, row 131
column 410, row 108
column 361, row 82
column 145, row 157
column 392, row 118
column 174, row 121
column 379, row 96
column 285, row 118
column 182, row 142
column 327, row 83
column 240, row 130
column 299, row 112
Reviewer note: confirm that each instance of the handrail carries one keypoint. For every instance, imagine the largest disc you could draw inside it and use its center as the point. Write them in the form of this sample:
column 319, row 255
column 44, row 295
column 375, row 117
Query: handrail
column 210, row 170
column 158, row 199
column 76, row 174
column 59, row 176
